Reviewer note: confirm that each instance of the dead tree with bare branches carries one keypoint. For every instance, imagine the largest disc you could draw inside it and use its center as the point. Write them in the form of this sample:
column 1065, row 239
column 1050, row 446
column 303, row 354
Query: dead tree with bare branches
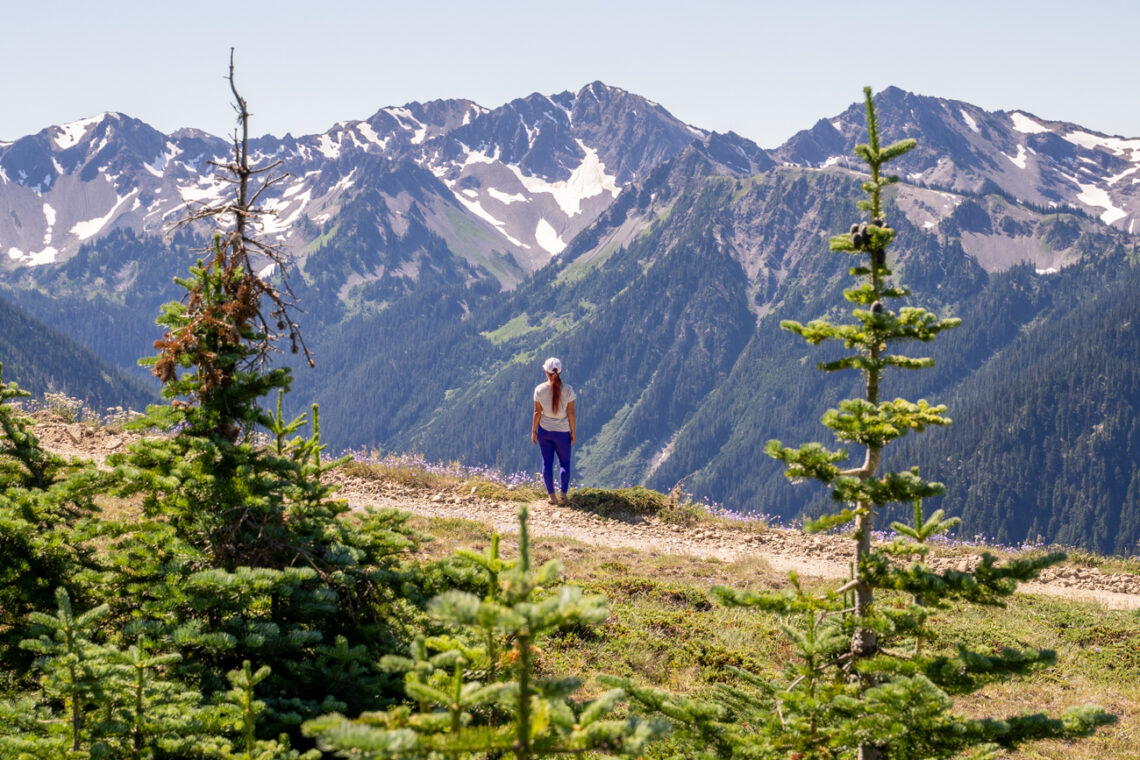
column 227, row 326
column 239, row 552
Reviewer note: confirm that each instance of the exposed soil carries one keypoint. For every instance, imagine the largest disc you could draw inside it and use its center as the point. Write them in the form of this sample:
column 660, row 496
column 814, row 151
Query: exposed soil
column 783, row 550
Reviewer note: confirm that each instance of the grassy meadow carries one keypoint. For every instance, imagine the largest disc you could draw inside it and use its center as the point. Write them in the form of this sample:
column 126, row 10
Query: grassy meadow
column 667, row 631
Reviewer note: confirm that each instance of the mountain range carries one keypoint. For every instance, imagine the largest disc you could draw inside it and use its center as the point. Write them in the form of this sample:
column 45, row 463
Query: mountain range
column 444, row 248
column 508, row 188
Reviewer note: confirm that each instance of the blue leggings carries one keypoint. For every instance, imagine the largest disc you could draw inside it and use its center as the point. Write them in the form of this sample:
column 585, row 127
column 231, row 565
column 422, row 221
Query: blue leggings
column 552, row 442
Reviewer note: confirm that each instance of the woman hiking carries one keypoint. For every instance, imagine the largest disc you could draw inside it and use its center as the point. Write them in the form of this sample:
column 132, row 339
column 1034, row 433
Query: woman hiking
column 553, row 426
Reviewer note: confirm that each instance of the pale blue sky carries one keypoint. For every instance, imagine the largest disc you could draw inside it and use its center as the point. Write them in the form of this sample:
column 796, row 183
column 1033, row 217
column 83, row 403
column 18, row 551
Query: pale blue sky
column 762, row 69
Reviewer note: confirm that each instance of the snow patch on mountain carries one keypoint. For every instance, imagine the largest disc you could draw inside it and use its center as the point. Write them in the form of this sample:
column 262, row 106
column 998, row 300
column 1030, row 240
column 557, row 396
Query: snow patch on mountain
column 548, row 238
column 1117, row 145
column 1023, row 123
column 569, row 113
column 275, row 223
column 401, row 114
column 158, row 165
column 409, row 122
column 1091, row 195
column 35, row 258
column 42, row 186
column 327, row 147
column 48, row 251
column 586, row 181
column 479, row 157
column 70, row 134
column 510, row 198
column 88, row 229
column 346, row 181
column 477, row 209
column 1020, row 160
column 369, row 134
column 293, row 190
column 970, row 121
column 356, row 141
column 208, row 188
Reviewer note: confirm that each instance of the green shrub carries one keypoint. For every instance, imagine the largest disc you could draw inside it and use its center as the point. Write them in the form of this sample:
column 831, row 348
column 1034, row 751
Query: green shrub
column 619, row 502
column 487, row 489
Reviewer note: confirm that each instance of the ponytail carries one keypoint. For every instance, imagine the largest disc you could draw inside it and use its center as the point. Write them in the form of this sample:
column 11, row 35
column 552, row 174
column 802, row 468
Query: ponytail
column 555, row 390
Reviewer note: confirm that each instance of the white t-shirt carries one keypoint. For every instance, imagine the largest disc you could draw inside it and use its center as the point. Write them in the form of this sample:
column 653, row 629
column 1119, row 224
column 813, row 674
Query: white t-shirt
column 555, row 422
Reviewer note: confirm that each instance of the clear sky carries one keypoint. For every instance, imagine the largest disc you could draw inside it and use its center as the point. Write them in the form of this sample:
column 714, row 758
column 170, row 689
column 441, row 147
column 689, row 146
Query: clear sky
column 762, row 69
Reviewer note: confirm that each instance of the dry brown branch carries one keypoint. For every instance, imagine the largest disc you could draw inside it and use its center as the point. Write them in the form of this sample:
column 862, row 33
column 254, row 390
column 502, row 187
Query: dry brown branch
column 252, row 301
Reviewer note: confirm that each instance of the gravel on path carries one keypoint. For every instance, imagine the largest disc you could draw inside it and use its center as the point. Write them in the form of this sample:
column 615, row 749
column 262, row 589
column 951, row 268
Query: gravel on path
column 784, row 550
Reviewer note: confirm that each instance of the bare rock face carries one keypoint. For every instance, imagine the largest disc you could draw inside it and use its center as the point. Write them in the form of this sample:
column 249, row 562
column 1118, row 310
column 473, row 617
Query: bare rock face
column 963, row 148
column 504, row 189
column 507, row 189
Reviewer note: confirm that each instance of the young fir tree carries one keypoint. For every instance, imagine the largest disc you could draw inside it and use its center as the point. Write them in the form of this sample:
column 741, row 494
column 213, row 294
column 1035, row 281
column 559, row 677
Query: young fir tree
column 246, row 709
column 74, row 674
column 860, row 684
column 476, row 693
column 96, row 700
column 46, row 503
column 240, row 552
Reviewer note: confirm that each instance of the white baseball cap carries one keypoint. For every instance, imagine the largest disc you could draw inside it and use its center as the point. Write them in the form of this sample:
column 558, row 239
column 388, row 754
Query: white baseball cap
column 552, row 365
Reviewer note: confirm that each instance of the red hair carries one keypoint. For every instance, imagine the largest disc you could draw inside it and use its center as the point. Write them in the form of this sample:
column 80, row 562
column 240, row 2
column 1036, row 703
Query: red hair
column 555, row 390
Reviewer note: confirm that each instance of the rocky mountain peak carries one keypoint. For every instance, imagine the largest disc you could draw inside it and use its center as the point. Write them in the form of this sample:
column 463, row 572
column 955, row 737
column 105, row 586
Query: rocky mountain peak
column 965, row 148
column 507, row 188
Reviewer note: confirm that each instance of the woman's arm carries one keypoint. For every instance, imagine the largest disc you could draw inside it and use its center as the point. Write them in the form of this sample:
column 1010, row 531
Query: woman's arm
column 534, row 423
column 570, row 416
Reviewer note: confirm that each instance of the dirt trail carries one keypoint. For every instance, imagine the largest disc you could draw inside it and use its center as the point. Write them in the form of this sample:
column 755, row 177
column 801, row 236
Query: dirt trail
column 783, row 550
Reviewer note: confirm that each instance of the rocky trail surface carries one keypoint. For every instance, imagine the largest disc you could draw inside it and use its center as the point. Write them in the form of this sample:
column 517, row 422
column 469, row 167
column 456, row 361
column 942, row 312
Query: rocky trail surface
column 785, row 550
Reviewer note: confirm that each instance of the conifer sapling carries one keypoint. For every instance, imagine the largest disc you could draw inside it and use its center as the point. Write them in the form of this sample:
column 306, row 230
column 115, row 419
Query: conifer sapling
column 860, row 684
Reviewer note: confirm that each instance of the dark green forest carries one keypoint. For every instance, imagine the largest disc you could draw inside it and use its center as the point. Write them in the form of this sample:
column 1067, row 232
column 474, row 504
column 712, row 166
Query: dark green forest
column 203, row 595
column 107, row 295
column 46, row 359
column 1060, row 461
column 671, row 343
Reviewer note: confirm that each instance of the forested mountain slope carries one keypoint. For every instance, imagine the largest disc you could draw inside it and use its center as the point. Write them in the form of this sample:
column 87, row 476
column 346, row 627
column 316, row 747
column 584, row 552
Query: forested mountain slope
column 108, row 295
column 1046, row 436
column 42, row 359
column 672, row 337
column 674, row 253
